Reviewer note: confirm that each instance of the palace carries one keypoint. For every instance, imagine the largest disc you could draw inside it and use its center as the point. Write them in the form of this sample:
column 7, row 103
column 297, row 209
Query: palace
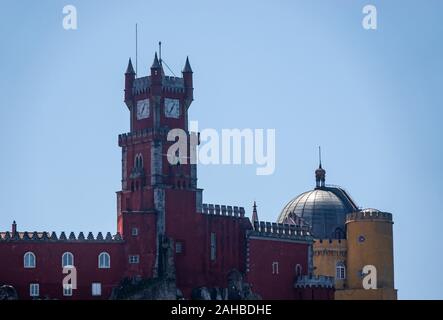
column 170, row 245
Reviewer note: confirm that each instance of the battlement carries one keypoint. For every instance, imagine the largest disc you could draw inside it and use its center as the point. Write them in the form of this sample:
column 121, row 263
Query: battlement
column 169, row 83
column 369, row 215
column 314, row 282
column 280, row 230
column 52, row 236
column 223, row 210
column 141, row 135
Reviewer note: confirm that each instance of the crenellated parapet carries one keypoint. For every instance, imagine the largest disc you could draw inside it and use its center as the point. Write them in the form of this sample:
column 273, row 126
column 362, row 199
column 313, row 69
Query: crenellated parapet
column 223, row 210
column 140, row 136
column 169, row 84
column 52, row 237
column 280, row 231
column 312, row 281
column 369, row 215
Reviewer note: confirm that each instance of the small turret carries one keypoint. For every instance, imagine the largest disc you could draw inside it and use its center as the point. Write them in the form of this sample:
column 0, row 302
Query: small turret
column 14, row 228
column 187, row 76
column 129, row 82
column 156, row 75
column 254, row 213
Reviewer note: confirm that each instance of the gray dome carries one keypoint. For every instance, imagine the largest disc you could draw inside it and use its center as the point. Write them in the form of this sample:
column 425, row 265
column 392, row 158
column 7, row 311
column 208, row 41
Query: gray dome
column 324, row 209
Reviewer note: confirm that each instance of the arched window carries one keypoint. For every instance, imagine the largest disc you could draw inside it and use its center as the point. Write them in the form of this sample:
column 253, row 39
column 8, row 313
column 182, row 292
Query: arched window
column 138, row 161
column 104, row 260
column 29, row 260
column 67, row 259
column 340, row 270
column 298, row 270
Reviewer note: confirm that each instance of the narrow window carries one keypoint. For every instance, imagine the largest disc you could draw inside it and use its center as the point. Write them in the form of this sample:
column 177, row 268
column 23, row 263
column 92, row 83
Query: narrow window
column 298, row 270
column 134, row 232
column 213, row 246
column 96, row 289
column 275, row 267
column 34, row 289
column 104, row 260
column 29, row 260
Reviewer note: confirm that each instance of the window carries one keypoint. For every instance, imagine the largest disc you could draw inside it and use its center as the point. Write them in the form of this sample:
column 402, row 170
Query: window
column 340, row 270
column 67, row 259
column 34, row 289
column 298, row 270
column 134, row 259
column 104, row 260
column 29, row 260
column 67, row 290
column 134, row 232
column 275, row 267
column 179, row 247
column 138, row 162
column 213, row 246
column 96, row 289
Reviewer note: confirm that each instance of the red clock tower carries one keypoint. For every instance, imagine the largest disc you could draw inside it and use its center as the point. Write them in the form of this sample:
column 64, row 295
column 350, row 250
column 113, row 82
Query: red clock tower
column 156, row 195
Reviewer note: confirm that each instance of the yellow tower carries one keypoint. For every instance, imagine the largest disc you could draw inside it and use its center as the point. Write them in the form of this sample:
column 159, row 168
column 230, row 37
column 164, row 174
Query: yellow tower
column 369, row 244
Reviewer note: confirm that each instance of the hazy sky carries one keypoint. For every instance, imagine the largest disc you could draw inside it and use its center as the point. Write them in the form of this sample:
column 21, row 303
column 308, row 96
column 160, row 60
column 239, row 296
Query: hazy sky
column 371, row 99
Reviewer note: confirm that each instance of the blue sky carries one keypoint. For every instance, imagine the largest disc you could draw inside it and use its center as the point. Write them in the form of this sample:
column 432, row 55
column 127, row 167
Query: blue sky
column 371, row 99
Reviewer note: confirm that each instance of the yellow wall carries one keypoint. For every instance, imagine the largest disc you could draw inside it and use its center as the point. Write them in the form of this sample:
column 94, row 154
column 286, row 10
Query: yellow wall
column 326, row 255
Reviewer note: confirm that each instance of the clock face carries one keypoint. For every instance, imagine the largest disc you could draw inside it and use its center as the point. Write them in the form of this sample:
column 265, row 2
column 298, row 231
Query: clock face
column 142, row 109
column 172, row 108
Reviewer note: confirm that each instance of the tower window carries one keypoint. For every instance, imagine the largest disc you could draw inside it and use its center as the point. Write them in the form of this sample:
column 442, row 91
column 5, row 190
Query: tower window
column 29, row 260
column 104, row 260
column 340, row 270
column 275, row 267
column 213, row 246
column 34, row 289
column 134, row 232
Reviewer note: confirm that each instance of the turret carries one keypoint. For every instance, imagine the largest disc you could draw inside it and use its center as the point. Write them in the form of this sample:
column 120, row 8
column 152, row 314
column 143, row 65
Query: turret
column 129, row 82
column 156, row 75
column 187, row 76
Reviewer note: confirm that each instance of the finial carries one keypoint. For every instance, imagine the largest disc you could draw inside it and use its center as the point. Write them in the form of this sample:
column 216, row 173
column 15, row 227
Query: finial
column 160, row 51
column 320, row 173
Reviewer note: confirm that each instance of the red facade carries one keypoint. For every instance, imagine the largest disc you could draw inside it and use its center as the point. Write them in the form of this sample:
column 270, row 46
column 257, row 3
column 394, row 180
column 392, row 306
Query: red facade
column 160, row 200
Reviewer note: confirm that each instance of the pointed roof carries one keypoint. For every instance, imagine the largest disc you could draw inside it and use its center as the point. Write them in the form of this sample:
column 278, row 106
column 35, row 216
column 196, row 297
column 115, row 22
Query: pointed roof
column 187, row 66
column 156, row 64
column 130, row 68
column 254, row 213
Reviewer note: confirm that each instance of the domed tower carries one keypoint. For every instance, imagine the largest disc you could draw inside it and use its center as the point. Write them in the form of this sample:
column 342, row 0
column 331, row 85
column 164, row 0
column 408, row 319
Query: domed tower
column 370, row 243
column 323, row 209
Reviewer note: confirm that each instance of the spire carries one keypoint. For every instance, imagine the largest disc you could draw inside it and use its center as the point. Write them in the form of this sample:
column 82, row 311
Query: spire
column 130, row 68
column 187, row 66
column 320, row 173
column 156, row 64
column 254, row 213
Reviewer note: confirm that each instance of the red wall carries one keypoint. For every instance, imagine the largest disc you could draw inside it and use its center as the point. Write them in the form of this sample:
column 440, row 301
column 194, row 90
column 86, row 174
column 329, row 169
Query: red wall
column 48, row 271
column 262, row 253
